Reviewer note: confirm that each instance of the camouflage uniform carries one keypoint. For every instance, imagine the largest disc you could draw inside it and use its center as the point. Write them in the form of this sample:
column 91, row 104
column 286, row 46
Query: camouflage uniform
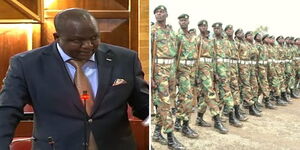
column 205, row 78
column 166, row 51
column 234, row 80
column 297, row 65
column 245, row 73
column 274, row 80
column 222, row 53
column 253, row 70
column 262, row 70
column 290, row 72
column 186, row 74
column 281, row 67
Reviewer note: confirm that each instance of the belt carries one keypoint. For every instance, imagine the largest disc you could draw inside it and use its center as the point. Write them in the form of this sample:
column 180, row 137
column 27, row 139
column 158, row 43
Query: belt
column 203, row 59
column 253, row 62
column 224, row 60
column 263, row 62
column 187, row 62
column 296, row 58
column 235, row 61
column 164, row 61
column 245, row 62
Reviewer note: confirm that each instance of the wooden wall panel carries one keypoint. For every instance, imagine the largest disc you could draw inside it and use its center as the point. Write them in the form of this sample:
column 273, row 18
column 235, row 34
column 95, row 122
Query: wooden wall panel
column 31, row 4
column 13, row 40
column 144, row 36
column 6, row 8
column 89, row 4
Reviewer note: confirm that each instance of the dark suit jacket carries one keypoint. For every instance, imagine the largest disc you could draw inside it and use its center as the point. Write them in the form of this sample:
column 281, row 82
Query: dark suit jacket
column 39, row 77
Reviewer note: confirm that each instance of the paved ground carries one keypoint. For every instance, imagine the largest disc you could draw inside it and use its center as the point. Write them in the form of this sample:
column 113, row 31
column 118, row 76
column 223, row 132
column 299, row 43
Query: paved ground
column 276, row 130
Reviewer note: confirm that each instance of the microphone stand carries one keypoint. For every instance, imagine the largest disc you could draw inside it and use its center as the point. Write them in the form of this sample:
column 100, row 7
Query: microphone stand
column 84, row 98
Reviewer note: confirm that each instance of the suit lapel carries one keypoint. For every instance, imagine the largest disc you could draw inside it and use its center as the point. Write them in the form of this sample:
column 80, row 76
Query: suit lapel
column 105, row 62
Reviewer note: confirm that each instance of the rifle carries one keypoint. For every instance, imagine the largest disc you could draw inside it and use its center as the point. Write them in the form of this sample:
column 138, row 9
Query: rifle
column 195, row 92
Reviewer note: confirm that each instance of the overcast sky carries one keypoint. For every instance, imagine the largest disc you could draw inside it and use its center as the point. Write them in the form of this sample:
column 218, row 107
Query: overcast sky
column 280, row 16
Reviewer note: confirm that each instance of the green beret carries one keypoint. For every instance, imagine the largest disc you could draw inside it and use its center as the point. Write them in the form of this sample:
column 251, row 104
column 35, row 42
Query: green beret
column 272, row 37
column 202, row 22
column 249, row 32
column 186, row 16
column 256, row 35
column 297, row 39
column 160, row 7
column 286, row 38
column 238, row 30
column 217, row 24
column 291, row 38
column 265, row 36
column 279, row 37
column 228, row 26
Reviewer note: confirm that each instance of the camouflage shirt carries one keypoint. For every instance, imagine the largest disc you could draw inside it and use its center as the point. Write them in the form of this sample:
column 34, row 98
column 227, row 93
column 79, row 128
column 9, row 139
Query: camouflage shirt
column 220, row 47
column 244, row 53
column 206, row 51
column 189, row 44
column 165, row 39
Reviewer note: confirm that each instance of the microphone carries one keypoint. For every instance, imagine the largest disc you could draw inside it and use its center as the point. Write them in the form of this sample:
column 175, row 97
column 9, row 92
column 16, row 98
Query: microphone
column 51, row 142
column 84, row 97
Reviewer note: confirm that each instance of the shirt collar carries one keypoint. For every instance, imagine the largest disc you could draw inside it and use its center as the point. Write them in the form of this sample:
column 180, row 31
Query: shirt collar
column 66, row 57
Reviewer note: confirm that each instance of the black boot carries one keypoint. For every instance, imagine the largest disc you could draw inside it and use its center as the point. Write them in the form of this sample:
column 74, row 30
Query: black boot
column 280, row 102
column 268, row 104
column 238, row 114
column 218, row 125
column 173, row 143
column 157, row 137
column 285, row 98
column 187, row 131
column 233, row 121
column 201, row 122
column 177, row 125
column 257, row 107
column 293, row 94
column 253, row 111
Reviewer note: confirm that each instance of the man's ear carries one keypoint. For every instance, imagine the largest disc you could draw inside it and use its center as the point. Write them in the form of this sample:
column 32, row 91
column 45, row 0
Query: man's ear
column 56, row 36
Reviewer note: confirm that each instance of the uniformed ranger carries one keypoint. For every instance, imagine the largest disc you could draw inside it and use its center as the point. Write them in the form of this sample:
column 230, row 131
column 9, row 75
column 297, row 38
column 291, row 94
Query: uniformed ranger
column 253, row 68
column 273, row 79
column 222, row 77
column 164, row 50
column 234, row 77
column 207, row 95
column 244, row 73
column 263, row 83
column 186, row 60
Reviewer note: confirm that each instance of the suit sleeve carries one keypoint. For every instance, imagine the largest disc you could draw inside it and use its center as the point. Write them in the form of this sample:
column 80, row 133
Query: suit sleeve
column 13, row 97
column 140, row 97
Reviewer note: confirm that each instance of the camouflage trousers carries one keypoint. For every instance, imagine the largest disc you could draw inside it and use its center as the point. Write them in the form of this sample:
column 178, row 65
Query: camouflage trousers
column 223, row 85
column 254, row 82
column 234, row 84
column 172, row 86
column 282, row 78
column 162, row 97
column 206, row 93
column 290, row 76
column 185, row 91
column 297, row 72
column 246, row 90
column 274, row 80
column 263, row 81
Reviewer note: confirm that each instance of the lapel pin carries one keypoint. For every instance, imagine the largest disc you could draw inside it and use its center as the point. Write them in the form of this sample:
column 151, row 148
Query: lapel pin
column 108, row 59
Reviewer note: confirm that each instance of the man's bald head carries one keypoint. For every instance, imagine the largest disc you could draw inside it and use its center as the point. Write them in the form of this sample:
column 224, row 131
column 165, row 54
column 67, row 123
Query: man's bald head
column 65, row 18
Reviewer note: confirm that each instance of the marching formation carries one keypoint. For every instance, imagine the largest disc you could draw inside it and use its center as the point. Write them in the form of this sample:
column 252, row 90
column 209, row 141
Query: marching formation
column 223, row 74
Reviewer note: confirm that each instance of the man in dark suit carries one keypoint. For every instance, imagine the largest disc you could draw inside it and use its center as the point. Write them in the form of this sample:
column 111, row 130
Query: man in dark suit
column 46, row 79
